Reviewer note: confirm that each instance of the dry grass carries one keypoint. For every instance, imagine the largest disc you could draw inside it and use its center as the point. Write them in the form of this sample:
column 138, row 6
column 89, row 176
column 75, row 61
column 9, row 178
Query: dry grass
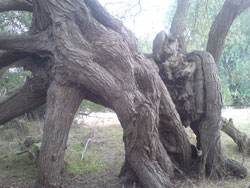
column 104, row 157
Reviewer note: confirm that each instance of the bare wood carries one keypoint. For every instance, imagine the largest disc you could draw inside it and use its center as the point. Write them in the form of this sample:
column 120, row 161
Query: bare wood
column 18, row 5
column 18, row 153
column 85, row 148
column 221, row 25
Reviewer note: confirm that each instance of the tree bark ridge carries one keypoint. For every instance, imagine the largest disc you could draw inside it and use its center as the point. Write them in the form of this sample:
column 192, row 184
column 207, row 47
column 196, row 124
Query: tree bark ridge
column 15, row 5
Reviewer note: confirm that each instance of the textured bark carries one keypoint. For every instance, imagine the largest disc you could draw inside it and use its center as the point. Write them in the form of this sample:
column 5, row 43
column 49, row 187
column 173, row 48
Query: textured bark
column 25, row 43
column 240, row 138
column 221, row 25
column 62, row 104
column 194, row 87
column 96, row 52
column 213, row 158
column 29, row 97
column 179, row 23
column 85, row 52
column 22, row 5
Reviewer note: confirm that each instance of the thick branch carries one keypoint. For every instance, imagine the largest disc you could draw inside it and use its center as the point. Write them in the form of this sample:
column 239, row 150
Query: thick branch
column 240, row 138
column 103, row 16
column 29, row 97
column 24, row 100
column 18, row 5
column 21, row 43
column 8, row 58
column 223, row 21
column 179, row 22
column 106, row 19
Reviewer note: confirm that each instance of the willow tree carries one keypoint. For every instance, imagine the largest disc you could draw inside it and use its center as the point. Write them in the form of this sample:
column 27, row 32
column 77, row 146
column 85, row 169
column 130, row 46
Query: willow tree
column 76, row 50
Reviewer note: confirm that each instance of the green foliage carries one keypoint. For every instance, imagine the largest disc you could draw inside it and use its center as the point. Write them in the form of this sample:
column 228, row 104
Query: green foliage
column 146, row 45
column 200, row 18
column 12, row 79
column 92, row 163
column 15, row 22
column 235, row 61
column 234, row 66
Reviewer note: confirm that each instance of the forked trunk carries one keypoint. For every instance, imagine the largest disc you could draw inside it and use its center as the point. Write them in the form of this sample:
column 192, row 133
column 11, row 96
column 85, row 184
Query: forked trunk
column 117, row 74
column 62, row 104
column 88, row 53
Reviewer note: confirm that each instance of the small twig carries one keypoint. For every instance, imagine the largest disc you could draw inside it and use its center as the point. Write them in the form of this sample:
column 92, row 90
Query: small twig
column 19, row 153
column 85, row 113
column 6, row 156
column 22, row 152
column 184, row 175
column 85, row 148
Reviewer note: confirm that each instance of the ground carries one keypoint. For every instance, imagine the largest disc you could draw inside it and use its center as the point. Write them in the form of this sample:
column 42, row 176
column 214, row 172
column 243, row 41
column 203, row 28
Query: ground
column 104, row 155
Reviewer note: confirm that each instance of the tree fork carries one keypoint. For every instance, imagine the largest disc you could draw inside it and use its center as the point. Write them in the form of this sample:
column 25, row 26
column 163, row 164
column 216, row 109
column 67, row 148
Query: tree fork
column 62, row 104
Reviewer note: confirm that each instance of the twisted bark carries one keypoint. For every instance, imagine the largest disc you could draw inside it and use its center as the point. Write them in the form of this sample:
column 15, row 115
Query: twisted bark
column 96, row 52
column 85, row 52
column 195, row 89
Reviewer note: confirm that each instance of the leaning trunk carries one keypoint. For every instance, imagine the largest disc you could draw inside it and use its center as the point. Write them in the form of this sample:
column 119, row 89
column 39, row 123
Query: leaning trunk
column 240, row 138
column 62, row 104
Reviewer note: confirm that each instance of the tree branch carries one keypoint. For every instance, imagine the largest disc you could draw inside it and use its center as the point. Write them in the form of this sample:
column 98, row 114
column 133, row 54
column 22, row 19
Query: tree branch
column 18, row 5
column 223, row 21
column 8, row 58
column 19, row 42
column 26, row 43
column 245, row 4
column 29, row 97
column 240, row 138
column 179, row 23
column 102, row 16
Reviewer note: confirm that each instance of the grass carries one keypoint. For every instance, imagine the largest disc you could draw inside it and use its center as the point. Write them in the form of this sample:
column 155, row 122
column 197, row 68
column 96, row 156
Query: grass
column 101, row 151
column 103, row 158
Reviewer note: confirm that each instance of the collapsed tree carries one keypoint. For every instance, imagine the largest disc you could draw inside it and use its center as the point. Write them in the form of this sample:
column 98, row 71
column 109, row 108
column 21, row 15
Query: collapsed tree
column 75, row 50
column 240, row 138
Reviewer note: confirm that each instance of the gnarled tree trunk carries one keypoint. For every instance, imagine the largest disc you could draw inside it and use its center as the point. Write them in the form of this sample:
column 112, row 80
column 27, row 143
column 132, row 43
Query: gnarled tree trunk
column 86, row 49
column 79, row 50
column 194, row 86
